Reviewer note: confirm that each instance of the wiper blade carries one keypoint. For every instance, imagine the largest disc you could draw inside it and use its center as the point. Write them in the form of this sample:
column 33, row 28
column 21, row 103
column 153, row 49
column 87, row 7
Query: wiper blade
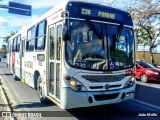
column 119, row 31
column 94, row 29
column 116, row 36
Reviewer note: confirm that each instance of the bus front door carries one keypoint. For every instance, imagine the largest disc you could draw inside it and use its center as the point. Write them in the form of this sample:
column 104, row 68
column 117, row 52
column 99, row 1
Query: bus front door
column 54, row 60
column 22, row 60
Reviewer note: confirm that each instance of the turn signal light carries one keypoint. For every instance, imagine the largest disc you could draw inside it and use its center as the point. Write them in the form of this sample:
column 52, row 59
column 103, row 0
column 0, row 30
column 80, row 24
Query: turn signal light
column 130, row 72
column 67, row 77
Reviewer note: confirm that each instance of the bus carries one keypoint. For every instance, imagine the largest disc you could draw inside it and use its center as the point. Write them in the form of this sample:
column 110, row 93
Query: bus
column 78, row 54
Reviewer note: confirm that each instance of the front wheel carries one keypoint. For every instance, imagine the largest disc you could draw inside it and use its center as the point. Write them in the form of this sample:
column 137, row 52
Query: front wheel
column 42, row 97
column 144, row 78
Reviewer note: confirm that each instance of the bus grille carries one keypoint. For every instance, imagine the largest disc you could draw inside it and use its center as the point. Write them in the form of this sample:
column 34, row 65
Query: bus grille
column 105, row 78
column 106, row 96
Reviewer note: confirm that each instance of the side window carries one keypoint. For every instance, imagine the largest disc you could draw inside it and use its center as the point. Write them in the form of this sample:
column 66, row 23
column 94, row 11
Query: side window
column 59, row 31
column 30, row 39
column 41, row 33
column 18, row 43
column 52, row 43
column 14, row 44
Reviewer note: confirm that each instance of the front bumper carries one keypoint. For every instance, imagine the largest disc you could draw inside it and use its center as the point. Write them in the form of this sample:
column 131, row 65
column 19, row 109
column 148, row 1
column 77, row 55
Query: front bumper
column 73, row 99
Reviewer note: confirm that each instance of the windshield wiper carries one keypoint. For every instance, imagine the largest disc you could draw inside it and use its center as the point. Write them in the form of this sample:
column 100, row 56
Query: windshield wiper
column 116, row 36
column 94, row 29
column 119, row 31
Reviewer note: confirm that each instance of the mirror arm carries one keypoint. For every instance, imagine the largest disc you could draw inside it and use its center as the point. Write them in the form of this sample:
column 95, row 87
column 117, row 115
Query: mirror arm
column 65, row 15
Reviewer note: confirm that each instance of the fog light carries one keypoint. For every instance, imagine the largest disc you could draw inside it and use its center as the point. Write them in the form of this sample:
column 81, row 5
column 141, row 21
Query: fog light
column 129, row 94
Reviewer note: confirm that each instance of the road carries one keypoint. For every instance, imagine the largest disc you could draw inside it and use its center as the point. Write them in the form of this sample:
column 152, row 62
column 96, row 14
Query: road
column 24, row 98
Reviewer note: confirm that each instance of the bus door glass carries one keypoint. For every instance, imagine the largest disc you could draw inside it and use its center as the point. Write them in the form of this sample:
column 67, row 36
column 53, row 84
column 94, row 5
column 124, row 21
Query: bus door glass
column 21, row 57
column 54, row 60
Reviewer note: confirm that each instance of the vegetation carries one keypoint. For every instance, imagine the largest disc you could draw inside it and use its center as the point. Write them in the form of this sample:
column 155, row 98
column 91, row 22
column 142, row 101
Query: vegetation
column 146, row 16
column 3, row 49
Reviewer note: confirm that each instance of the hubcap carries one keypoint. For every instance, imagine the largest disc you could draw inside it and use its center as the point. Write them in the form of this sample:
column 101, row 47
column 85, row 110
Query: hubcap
column 144, row 78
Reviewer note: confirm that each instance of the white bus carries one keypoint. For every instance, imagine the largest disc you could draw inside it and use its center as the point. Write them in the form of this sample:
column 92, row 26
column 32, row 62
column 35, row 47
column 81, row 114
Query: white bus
column 78, row 54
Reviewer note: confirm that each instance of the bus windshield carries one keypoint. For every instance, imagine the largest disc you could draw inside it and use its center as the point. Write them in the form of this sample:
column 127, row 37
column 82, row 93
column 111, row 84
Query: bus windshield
column 99, row 46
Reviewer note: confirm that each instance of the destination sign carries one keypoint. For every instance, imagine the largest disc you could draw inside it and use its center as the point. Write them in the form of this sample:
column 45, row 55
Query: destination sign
column 97, row 13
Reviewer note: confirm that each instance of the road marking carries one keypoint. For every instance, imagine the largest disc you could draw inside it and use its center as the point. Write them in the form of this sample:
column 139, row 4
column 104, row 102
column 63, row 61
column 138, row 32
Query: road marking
column 147, row 104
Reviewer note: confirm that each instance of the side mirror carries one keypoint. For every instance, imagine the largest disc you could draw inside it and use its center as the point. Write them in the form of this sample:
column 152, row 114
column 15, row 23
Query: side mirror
column 65, row 34
column 138, row 67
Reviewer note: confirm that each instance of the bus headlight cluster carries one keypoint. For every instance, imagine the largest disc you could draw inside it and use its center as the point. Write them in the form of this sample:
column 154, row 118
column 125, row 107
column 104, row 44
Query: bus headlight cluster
column 76, row 85
column 130, row 82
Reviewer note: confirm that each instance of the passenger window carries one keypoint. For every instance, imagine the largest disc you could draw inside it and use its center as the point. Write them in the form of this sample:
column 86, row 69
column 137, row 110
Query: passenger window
column 41, row 33
column 18, row 43
column 52, row 43
column 30, row 39
column 59, row 29
column 14, row 45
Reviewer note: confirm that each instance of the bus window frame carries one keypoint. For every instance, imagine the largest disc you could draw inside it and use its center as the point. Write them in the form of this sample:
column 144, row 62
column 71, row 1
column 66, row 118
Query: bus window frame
column 14, row 44
column 41, row 36
column 18, row 44
column 32, row 37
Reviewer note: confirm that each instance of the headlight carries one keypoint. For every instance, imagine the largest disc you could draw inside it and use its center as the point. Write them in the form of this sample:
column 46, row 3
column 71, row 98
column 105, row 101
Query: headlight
column 76, row 85
column 130, row 82
column 152, row 72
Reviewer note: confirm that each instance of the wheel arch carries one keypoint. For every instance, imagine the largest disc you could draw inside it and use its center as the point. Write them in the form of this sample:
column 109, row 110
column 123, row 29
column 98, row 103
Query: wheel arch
column 36, row 75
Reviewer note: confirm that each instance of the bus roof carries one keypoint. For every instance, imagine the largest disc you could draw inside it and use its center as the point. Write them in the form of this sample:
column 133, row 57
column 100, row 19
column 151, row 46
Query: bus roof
column 93, row 6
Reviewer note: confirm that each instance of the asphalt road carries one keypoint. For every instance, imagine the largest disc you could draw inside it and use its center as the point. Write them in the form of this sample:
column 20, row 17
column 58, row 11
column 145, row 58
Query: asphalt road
column 24, row 98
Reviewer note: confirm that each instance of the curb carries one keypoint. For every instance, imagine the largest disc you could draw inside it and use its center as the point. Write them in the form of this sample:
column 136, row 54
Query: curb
column 5, row 99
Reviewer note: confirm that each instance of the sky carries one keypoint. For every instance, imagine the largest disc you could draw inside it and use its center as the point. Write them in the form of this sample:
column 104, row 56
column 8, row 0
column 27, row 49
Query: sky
column 12, row 22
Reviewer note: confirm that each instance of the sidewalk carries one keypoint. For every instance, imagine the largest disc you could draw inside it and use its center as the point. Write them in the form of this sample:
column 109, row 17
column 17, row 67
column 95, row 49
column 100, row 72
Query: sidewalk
column 2, row 103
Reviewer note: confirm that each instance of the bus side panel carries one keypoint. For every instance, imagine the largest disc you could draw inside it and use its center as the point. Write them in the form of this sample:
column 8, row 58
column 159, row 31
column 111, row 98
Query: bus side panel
column 17, row 64
column 28, row 68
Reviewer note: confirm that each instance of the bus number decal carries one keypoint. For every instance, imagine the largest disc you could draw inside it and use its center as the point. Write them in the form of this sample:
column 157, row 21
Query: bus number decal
column 40, row 64
column 85, row 11
column 80, row 63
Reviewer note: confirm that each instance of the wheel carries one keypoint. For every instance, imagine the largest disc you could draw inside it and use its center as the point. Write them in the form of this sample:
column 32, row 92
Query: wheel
column 16, row 78
column 14, row 75
column 42, row 98
column 144, row 78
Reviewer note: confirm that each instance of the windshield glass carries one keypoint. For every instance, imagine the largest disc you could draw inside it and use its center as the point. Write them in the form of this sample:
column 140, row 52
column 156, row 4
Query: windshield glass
column 145, row 65
column 98, row 46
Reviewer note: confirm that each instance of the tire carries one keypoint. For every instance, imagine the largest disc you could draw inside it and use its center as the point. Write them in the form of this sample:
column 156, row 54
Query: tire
column 42, row 98
column 15, row 76
column 144, row 78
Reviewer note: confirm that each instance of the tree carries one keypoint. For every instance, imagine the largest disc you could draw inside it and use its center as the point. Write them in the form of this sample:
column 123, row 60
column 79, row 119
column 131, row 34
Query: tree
column 3, row 50
column 146, row 16
column 8, row 36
